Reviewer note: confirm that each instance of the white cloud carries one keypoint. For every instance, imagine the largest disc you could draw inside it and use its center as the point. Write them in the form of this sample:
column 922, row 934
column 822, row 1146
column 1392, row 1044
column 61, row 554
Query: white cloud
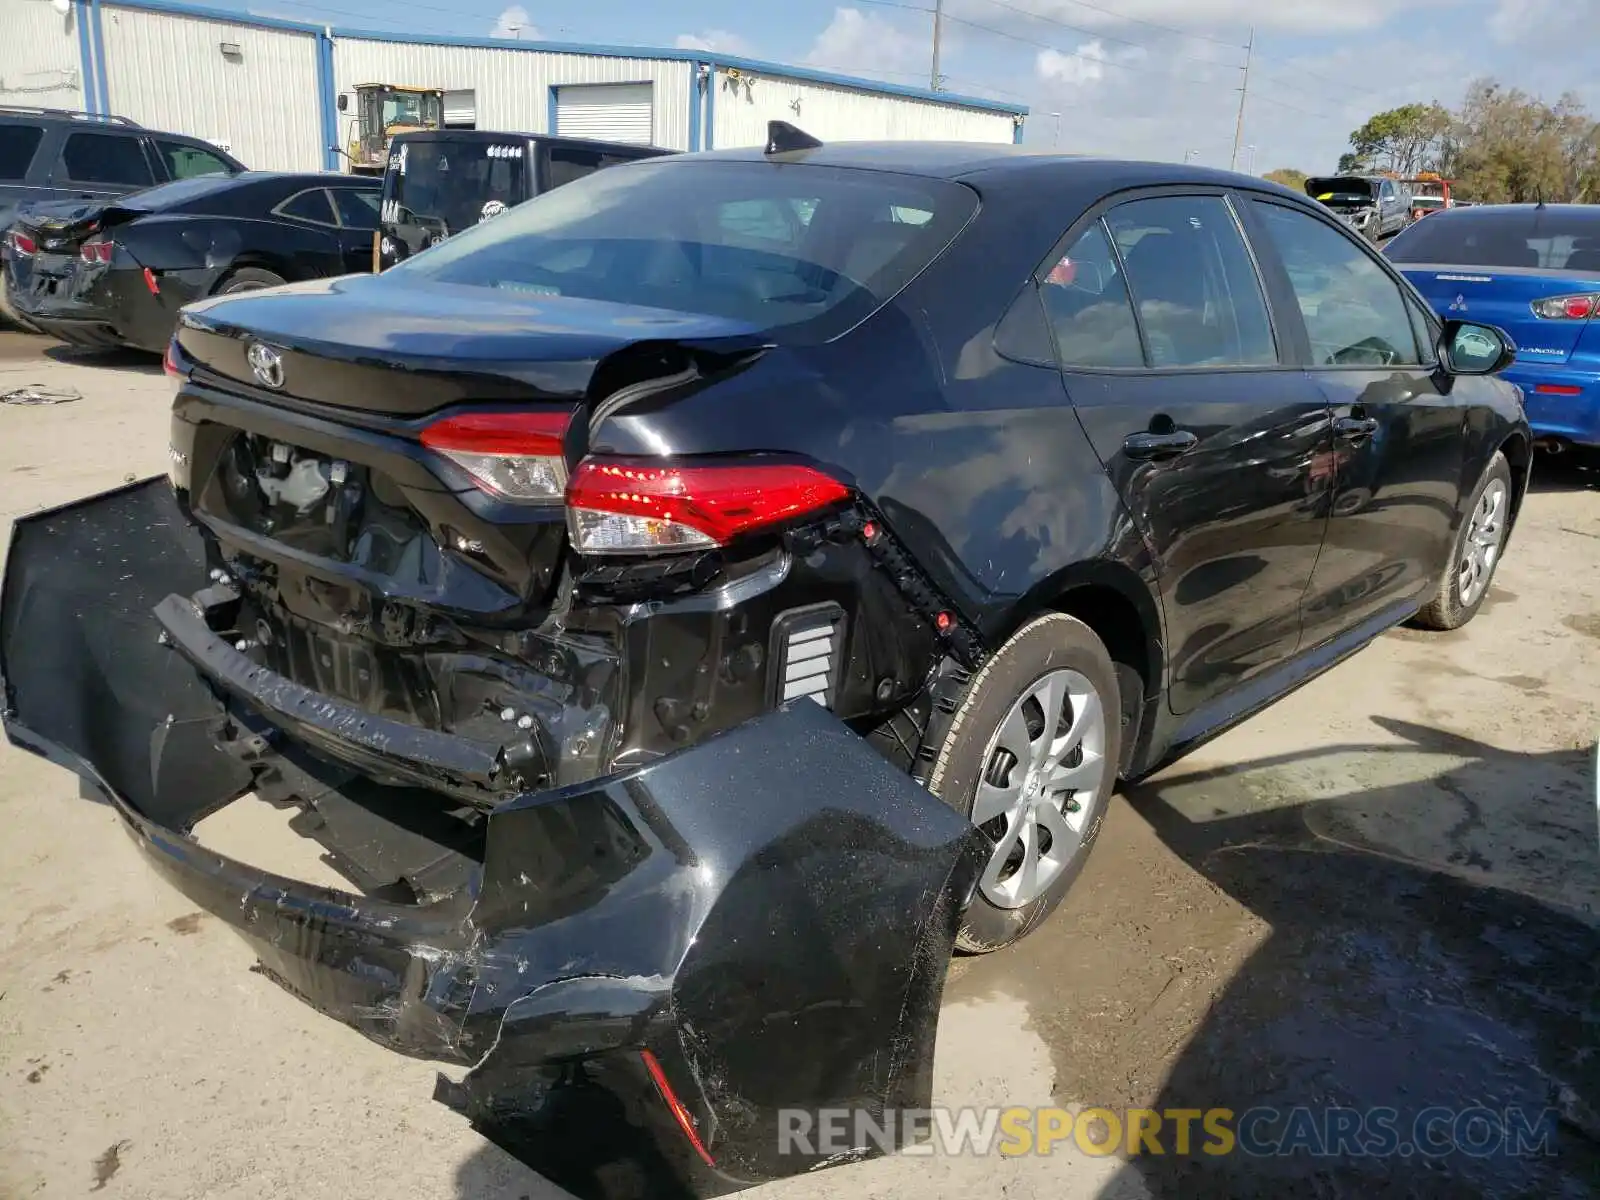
column 515, row 22
column 1216, row 18
column 1086, row 65
column 859, row 42
column 721, row 40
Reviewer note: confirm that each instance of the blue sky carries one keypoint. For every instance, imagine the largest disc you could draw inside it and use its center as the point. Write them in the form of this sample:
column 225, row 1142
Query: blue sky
column 1141, row 78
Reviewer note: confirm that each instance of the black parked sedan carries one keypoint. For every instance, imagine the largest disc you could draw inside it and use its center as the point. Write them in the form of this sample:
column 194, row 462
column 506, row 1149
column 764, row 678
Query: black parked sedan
column 117, row 272
column 689, row 605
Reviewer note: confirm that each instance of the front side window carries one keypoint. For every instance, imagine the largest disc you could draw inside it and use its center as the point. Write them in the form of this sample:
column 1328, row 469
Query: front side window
column 358, row 209
column 1355, row 314
column 106, row 158
column 564, row 166
column 1087, row 305
column 800, row 250
column 1192, row 279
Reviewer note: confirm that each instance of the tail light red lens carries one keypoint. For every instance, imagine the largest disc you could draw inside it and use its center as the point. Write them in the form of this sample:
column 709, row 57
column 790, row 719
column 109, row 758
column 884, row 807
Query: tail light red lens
column 21, row 244
column 632, row 507
column 1567, row 308
column 97, row 250
column 512, row 455
column 680, row 1114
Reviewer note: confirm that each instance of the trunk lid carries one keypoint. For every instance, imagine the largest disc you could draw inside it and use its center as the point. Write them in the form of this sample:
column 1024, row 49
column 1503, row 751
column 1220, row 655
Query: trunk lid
column 1504, row 297
column 380, row 347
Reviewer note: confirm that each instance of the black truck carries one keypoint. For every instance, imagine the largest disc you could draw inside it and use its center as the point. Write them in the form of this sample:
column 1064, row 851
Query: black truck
column 443, row 181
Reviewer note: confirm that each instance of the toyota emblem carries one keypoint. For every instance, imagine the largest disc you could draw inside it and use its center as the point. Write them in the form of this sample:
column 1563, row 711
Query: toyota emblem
column 267, row 364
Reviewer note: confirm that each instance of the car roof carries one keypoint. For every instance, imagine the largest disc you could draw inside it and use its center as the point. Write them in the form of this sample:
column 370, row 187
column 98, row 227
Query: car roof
column 310, row 178
column 996, row 164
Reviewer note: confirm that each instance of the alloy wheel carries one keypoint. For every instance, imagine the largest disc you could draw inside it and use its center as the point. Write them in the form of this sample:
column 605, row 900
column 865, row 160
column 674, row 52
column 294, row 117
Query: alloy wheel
column 1480, row 548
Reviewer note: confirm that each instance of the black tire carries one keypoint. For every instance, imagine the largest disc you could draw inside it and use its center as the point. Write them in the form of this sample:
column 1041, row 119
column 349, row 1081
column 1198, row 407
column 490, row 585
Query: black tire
column 1050, row 643
column 1445, row 609
column 248, row 279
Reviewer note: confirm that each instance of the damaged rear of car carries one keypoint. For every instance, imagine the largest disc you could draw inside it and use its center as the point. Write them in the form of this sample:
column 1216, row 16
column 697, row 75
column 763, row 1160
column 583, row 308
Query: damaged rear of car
column 582, row 730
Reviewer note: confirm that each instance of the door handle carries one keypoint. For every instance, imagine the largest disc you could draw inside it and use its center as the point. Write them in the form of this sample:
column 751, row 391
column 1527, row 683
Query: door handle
column 1355, row 429
column 1157, row 447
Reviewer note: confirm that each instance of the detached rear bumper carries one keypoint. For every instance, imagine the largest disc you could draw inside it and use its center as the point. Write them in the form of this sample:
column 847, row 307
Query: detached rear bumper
column 769, row 914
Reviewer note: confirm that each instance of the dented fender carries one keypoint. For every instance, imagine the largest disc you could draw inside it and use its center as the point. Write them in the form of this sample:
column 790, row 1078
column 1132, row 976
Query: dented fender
column 640, row 972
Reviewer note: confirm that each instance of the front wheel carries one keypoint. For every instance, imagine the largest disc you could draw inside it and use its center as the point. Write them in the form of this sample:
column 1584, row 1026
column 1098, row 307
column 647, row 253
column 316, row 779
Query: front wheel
column 1476, row 552
column 1030, row 759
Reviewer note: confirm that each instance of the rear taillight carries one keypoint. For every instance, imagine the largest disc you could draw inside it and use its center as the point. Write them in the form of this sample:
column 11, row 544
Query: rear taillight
column 97, row 250
column 632, row 507
column 514, row 455
column 1567, row 308
column 21, row 244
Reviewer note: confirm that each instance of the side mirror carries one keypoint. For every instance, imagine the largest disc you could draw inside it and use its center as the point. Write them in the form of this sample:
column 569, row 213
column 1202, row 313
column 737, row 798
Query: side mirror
column 1466, row 348
column 343, row 102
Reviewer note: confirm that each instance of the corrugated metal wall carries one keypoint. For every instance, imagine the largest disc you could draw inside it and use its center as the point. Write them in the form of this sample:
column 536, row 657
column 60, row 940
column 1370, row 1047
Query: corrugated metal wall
column 41, row 65
column 513, row 86
column 744, row 104
column 169, row 72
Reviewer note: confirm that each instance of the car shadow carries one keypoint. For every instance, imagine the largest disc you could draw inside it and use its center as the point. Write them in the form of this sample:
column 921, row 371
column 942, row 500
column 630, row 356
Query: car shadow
column 122, row 359
column 1403, row 1029
column 1572, row 470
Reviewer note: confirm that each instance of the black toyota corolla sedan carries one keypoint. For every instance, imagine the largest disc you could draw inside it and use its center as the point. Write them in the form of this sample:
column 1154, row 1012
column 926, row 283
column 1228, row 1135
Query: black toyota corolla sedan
column 690, row 604
column 116, row 272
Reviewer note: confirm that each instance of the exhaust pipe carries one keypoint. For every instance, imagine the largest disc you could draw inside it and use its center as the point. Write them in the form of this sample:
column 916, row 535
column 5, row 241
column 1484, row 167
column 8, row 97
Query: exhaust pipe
column 1550, row 445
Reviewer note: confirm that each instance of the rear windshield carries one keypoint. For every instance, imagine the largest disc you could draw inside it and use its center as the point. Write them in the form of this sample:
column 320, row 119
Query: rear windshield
column 444, row 186
column 181, row 191
column 1339, row 189
column 1550, row 239
column 805, row 250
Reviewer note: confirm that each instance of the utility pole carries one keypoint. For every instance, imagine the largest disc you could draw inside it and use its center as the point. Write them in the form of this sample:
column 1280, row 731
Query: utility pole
column 1244, row 92
column 938, row 30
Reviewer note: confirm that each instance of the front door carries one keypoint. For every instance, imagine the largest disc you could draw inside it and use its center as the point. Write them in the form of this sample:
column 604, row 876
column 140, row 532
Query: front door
column 1398, row 446
column 1211, row 434
column 358, row 224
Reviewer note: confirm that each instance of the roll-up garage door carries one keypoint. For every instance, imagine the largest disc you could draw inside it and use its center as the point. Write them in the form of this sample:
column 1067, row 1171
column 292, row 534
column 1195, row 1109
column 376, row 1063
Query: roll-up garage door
column 461, row 109
column 607, row 112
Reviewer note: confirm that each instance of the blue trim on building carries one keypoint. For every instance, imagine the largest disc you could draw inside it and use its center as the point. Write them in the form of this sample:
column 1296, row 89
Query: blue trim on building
column 330, row 110
column 754, row 65
column 550, row 119
column 711, row 107
column 80, row 18
column 100, row 57
column 694, row 107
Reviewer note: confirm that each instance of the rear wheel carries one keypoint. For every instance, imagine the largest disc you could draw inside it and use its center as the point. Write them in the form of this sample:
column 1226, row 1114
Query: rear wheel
column 249, row 279
column 1030, row 759
column 1476, row 552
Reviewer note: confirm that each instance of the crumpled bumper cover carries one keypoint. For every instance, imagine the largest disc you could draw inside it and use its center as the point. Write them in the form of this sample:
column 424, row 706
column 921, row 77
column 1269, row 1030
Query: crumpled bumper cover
column 763, row 920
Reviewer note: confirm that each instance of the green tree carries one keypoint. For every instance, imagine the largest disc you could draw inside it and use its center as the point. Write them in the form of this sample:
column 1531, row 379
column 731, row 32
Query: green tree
column 1510, row 147
column 1404, row 140
column 1289, row 177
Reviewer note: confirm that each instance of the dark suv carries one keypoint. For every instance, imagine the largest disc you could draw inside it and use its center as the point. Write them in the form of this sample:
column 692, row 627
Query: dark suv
column 58, row 155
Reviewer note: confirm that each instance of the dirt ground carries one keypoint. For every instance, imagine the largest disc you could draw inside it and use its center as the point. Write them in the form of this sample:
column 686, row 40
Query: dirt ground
column 1383, row 892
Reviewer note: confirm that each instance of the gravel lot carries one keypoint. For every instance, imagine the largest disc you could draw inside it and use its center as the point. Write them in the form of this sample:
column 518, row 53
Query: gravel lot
column 1384, row 891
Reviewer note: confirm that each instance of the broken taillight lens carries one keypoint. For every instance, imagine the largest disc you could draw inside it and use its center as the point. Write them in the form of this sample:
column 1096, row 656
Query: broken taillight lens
column 513, row 455
column 97, row 250
column 617, row 506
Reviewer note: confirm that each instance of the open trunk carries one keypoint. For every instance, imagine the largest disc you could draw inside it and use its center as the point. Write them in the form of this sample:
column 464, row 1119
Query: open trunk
column 643, row 971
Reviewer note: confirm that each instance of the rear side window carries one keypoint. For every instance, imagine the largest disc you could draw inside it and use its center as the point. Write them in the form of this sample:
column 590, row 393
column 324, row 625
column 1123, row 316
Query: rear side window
column 106, row 158
column 564, row 165
column 1355, row 314
column 803, row 251
column 1087, row 305
column 188, row 162
column 17, row 146
column 1550, row 239
column 1192, row 279
column 310, row 205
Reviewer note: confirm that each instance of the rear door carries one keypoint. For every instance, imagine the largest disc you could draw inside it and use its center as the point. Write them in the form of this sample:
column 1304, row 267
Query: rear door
column 1210, row 431
column 1511, row 267
column 1398, row 442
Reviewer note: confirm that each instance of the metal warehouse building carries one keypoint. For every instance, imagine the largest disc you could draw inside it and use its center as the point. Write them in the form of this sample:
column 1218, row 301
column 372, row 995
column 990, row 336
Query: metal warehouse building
column 268, row 90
